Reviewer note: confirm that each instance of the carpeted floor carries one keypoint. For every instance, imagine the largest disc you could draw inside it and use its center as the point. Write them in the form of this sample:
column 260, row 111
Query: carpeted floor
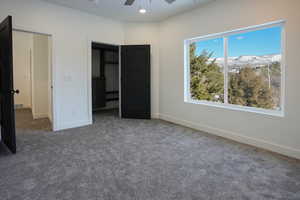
column 123, row 159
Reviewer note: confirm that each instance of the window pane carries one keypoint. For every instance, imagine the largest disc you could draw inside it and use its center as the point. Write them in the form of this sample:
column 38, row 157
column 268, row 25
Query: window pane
column 206, row 70
column 254, row 65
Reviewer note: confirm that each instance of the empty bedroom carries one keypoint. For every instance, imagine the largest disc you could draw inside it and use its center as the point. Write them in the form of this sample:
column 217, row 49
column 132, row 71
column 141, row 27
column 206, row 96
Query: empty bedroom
column 149, row 99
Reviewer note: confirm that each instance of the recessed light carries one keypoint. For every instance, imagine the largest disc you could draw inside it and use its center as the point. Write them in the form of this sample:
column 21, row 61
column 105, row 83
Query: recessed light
column 94, row 1
column 142, row 10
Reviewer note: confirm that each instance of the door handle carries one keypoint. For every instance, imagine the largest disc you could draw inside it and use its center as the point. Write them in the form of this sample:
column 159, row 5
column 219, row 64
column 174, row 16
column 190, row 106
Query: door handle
column 9, row 92
column 15, row 91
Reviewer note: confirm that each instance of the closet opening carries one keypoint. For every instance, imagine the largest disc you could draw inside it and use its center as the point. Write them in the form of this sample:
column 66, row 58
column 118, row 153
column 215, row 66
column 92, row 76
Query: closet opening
column 105, row 80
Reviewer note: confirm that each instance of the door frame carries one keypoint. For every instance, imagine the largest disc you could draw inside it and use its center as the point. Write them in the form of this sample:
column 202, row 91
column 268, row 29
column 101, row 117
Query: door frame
column 89, row 76
column 51, row 69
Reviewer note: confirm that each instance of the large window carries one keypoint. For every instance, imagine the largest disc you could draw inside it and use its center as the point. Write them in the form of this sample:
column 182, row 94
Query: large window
column 240, row 69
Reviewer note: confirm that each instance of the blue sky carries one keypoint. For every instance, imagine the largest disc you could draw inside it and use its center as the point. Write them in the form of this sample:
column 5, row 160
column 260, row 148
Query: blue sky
column 260, row 42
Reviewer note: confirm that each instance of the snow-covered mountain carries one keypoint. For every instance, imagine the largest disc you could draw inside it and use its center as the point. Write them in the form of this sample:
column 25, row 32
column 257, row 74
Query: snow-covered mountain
column 254, row 61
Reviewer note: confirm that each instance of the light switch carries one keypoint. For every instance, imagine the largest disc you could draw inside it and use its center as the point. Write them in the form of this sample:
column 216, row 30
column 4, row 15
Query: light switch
column 67, row 78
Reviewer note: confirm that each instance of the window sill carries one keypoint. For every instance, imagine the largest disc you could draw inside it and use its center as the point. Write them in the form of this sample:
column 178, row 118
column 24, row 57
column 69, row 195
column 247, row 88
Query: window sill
column 276, row 113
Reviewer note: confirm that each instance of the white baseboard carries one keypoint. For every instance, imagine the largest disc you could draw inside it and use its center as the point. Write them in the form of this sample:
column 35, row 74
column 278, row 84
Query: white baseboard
column 284, row 150
column 39, row 115
column 73, row 125
column 154, row 116
column 50, row 117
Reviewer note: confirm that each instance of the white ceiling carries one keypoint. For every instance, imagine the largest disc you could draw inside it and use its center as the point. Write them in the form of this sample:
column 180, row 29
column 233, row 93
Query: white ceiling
column 115, row 9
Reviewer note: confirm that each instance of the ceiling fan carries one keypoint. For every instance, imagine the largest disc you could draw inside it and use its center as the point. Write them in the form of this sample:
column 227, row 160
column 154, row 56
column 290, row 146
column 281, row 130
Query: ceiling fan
column 130, row 2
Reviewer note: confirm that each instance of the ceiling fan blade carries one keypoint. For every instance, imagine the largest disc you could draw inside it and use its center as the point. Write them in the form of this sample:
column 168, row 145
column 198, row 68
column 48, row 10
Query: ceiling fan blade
column 129, row 2
column 170, row 1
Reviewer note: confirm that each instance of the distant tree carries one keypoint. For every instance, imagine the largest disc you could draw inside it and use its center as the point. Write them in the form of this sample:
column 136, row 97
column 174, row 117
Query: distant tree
column 207, row 79
column 248, row 88
column 272, row 73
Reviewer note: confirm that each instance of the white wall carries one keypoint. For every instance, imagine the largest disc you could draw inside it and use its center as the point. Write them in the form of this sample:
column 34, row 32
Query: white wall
column 70, row 30
column 40, row 76
column 22, row 46
column 274, row 133
column 147, row 33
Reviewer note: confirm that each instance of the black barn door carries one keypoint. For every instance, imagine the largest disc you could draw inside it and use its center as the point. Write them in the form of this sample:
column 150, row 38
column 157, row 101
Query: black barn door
column 135, row 81
column 8, row 135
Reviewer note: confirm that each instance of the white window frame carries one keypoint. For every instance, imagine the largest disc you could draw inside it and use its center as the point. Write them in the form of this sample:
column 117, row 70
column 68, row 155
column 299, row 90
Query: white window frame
column 226, row 105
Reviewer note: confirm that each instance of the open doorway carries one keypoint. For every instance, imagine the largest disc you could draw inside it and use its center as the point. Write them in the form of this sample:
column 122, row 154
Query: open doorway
column 32, row 78
column 105, row 80
column 120, row 81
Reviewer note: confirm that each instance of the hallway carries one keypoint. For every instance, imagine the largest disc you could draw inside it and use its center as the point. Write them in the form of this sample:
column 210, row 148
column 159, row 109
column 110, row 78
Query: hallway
column 25, row 121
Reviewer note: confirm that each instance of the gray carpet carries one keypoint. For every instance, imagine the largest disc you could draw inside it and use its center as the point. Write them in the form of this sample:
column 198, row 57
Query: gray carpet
column 123, row 159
